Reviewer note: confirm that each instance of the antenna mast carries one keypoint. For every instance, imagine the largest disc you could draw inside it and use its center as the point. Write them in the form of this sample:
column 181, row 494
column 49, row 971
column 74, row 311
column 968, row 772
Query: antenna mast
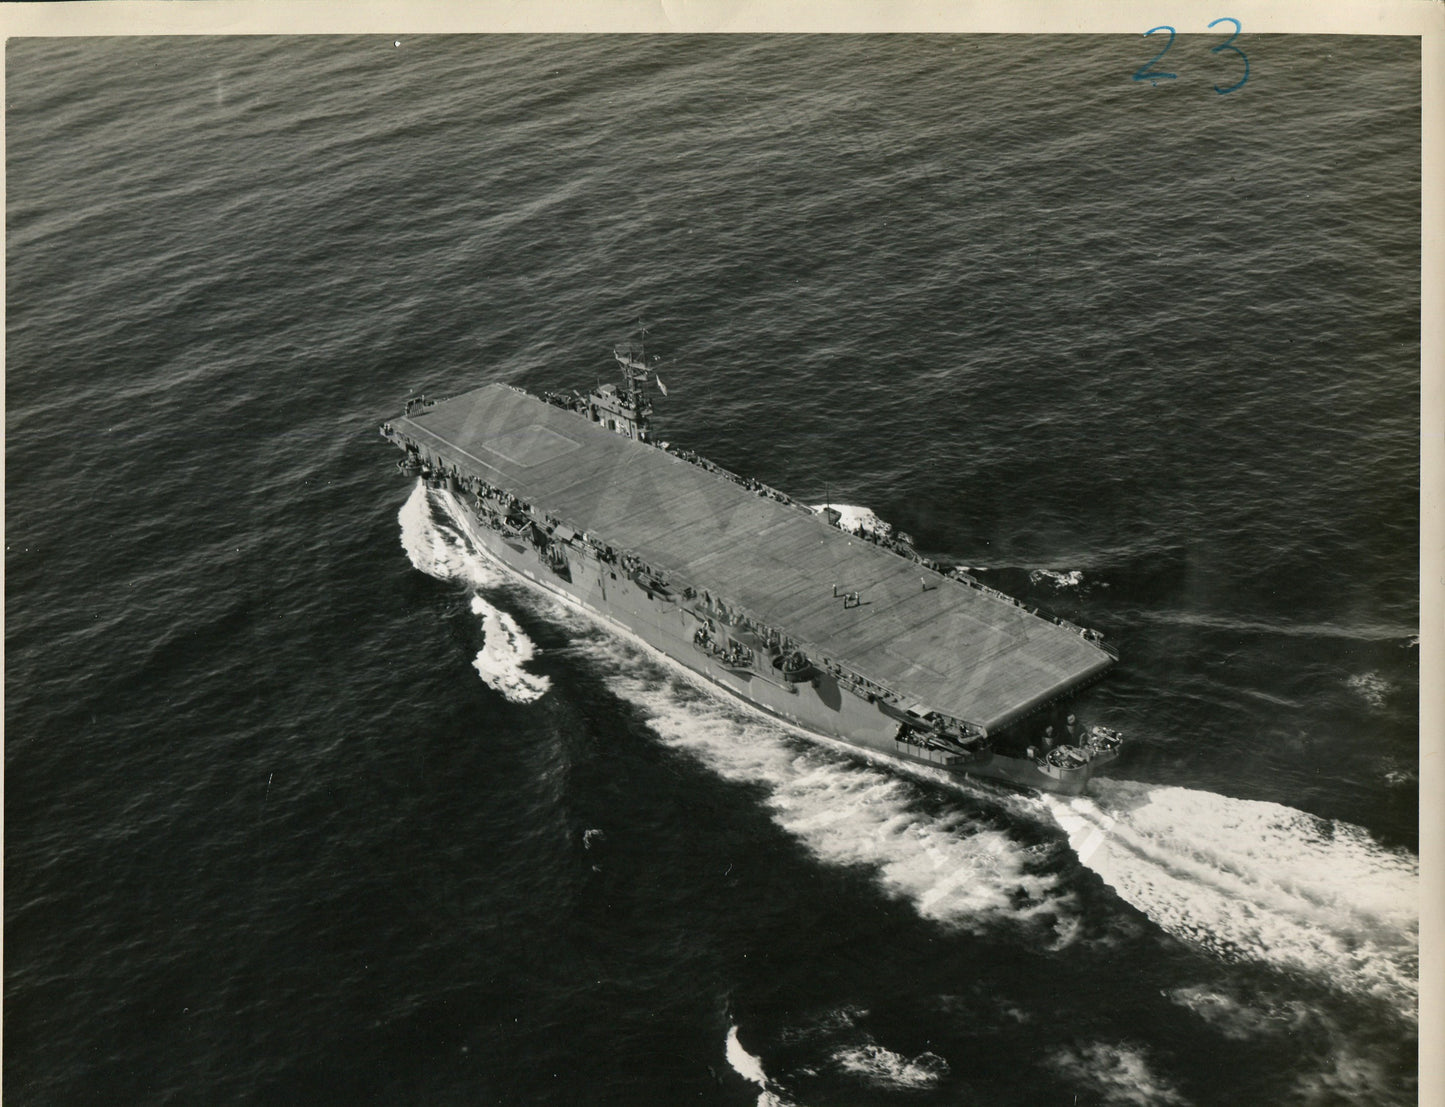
column 635, row 371
column 634, row 366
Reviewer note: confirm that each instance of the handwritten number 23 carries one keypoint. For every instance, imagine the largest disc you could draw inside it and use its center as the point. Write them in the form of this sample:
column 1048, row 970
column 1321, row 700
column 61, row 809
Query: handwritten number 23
column 1146, row 73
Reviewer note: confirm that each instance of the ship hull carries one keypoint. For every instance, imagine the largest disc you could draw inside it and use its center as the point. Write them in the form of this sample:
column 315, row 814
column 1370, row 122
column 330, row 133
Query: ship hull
column 821, row 705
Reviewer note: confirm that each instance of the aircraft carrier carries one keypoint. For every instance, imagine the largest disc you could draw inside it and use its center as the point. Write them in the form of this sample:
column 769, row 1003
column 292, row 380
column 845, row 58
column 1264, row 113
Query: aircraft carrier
column 850, row 635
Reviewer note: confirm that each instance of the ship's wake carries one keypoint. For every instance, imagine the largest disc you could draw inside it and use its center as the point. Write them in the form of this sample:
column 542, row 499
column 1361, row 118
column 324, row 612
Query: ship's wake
column 1246, row 880
column 435, row 544
column 846, row 1052
column 505, row 649
column 1260, row 881
column 1114, row 1073
column 440, row 550
column 750, row 1068
column 953, row 866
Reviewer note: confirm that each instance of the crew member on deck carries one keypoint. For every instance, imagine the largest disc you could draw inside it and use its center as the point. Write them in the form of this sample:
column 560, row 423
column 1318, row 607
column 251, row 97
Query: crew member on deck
column 1074, row 731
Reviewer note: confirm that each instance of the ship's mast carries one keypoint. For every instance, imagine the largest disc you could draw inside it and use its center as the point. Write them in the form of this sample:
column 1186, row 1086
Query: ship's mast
column 635, row 371
column 634, row 367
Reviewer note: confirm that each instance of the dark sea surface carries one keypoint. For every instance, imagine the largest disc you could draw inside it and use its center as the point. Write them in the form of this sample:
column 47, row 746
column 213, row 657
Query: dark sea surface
column 298, row 791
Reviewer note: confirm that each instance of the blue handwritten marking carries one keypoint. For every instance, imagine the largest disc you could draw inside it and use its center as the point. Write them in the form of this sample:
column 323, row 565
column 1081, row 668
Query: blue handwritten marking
column 1154, row 76
column 1144, row 73
column 1229, row 45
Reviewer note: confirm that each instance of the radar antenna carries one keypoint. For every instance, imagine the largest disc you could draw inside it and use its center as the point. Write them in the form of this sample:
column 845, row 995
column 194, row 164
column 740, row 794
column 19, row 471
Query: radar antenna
column 637, row 369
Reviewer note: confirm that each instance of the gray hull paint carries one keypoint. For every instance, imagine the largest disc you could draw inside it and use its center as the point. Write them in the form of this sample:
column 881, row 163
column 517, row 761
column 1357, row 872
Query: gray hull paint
column 821, row 706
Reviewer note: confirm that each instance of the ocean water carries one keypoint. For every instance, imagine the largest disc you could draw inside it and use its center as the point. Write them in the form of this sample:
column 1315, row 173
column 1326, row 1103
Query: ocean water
column 304, row 804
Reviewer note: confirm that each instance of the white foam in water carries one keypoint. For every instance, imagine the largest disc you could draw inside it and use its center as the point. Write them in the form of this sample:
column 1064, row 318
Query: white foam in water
column 1243, row 1020
column 1370, row 687
column 1071, row 579
column 1244, row 879
column 743, row 1062
column 505, row 649
column 1117, row 1074
column 858, row 520
column 1398, row 773
column 437, row 548
column 750, row 1068
column 1347, row 1077
column 1259, row 881
column 884, row 1067
column 1342, row 1074
column 951, row 868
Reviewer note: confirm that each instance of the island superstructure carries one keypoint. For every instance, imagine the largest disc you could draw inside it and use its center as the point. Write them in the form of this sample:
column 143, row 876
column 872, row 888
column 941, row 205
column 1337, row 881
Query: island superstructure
column 845, row 635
